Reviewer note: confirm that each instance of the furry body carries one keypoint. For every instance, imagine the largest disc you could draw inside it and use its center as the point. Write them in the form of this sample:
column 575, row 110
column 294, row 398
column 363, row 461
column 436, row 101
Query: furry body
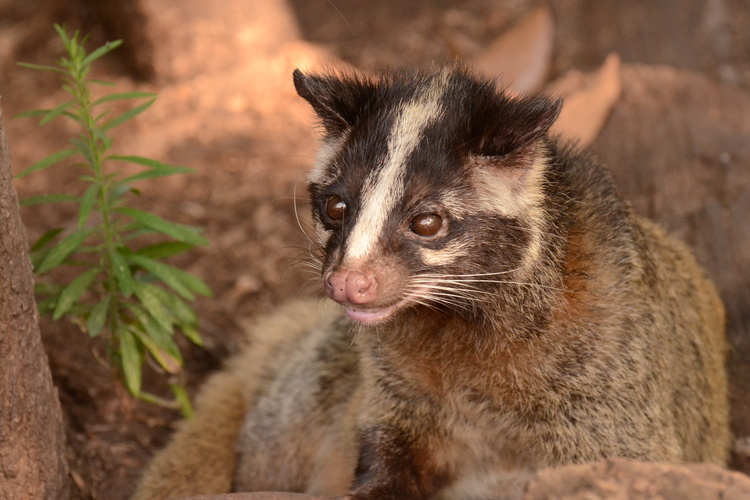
column 510, row 313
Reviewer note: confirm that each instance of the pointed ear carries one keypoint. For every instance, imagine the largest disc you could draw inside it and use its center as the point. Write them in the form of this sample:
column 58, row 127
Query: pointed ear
column 516, row 123
column 338, row 101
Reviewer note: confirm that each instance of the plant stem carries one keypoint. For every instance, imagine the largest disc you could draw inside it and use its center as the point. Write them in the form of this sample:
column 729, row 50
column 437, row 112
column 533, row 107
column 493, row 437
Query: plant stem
column 95, row 149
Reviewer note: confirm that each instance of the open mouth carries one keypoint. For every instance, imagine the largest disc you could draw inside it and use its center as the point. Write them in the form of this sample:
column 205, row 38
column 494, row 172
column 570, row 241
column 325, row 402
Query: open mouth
column 363, row 315
column 368, row 315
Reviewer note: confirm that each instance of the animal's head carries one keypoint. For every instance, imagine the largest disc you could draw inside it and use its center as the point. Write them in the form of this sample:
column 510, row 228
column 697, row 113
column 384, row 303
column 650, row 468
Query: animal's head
column 428, row 189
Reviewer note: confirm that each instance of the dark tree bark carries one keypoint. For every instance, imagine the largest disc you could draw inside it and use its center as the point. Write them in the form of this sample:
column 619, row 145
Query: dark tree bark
column 32, row 439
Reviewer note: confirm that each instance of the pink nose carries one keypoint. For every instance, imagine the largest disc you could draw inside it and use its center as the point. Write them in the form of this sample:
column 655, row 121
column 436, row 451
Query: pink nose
column 353, row 287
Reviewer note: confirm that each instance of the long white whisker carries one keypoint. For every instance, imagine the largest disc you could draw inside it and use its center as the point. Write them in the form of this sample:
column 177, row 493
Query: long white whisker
column 296, row 215
column 468, row 275
column 431, row 280
column 441, row 298
column 457, row 292
column 446, row 295
column 416, row 300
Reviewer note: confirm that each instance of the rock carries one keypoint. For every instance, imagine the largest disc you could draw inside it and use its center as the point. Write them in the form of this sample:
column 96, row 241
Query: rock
column 257, row 496
column 619, row 479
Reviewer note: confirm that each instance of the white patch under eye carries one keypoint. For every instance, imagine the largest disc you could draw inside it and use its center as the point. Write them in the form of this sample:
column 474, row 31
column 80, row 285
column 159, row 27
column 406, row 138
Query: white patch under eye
column 450, row 254
column 383, row 187
column 322, row 234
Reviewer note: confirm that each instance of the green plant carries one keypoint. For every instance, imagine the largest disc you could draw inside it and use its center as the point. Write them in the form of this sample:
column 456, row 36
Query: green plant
column 122, row 289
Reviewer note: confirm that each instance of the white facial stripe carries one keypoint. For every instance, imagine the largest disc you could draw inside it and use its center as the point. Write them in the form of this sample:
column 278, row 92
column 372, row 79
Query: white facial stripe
column 382, row 188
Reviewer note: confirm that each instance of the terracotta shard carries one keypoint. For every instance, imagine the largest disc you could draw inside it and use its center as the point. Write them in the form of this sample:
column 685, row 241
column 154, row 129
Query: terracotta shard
column 521, row 56
column 589, row 99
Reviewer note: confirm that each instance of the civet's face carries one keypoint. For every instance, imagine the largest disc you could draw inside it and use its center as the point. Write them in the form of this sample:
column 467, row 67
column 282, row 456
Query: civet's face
column 424, row 188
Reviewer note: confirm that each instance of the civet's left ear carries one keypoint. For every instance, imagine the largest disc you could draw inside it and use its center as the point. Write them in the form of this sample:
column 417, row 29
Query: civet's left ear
column 339, row 101
column 516, row 122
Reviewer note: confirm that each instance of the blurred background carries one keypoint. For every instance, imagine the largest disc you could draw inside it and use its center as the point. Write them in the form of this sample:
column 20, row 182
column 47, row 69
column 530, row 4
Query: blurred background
column 676, row 133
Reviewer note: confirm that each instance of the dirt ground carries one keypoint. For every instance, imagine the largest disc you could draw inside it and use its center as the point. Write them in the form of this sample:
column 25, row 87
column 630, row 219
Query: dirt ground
column 232, row 116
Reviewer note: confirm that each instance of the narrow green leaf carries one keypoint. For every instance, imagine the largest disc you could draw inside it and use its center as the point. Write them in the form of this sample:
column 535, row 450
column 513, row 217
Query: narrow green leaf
column 101, row 51
column 47, row 198
column 32, row 114
column 63, row 34
column 150, row 328
column 123, row 96
column 166, row 360
column 166, row 273
column 98, row 317
column 134, row 231
column 179, row 232
column 181, row 396
column 164, row 249
column 45, row 238
column 131, row 360
column 192, row 334
column 169, row 274
column 42, row 67
column 73, row 292
column 105, row 140
column 148, row 162
column 60, row 252
column 48, row 289
column 38, row 256
column 92, row 248
column 147, row 320
column 127, row 115
column 103, row 83
column 153, row 305
column 87, row 202
column 98, row 118
column 60, row 109
column 119, row 190
column 181, row 311
column 108, row 178
column 122, row 273
column 155, row 168
column 195, row 284
column 82, row 147
column 78, row 312
column 151, row 174
column 47, row 162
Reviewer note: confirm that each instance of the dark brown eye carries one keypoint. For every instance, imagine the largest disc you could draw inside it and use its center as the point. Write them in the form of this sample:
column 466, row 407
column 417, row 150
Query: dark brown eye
column 426, row 224
column 335, row 207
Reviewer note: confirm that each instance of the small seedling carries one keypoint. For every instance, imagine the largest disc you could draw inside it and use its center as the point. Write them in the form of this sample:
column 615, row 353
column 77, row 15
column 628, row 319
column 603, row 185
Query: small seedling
column 123, row 289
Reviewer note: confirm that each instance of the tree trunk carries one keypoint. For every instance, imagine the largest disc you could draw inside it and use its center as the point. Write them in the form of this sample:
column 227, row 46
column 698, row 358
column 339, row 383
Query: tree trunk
column 32, row 440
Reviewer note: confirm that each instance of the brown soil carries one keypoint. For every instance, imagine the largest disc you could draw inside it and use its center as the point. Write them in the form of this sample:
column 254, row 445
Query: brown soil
column 227, row 109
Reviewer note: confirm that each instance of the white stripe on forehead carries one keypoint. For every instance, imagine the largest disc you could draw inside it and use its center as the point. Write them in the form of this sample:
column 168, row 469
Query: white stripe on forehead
column 383, row 187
